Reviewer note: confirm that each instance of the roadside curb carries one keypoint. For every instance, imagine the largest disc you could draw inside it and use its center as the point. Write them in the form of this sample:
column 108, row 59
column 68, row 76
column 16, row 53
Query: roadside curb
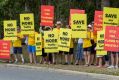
column 94, row 75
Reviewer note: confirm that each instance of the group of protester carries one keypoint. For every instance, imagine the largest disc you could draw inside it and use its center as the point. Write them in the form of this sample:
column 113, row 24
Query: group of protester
column 85, row 51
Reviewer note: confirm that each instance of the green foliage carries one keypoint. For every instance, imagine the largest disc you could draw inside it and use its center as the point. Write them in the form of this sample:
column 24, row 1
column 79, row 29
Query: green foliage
column 10, row 9
column 114, row 3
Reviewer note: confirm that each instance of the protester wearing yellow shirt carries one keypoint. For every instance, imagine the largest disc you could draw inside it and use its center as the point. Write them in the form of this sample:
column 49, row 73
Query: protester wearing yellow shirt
column 87, row 42
column 58, row 25
column 44, row 55
column 69, row 55
column 17, row 46
column 93, row 42
column 87, row 47
column 31, row 47
column 57, row 30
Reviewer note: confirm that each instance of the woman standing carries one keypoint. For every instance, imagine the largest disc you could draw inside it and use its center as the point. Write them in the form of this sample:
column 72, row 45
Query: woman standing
column 87, row 47
column 79, row 54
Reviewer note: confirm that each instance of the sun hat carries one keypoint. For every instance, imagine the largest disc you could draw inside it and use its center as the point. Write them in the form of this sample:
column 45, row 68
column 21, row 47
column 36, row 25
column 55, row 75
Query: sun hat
column 89, row 26
column 58, row 23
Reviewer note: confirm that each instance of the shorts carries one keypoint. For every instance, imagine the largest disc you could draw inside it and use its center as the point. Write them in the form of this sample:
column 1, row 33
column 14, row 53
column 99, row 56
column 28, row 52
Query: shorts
column 17, row 50
column 106, row 57
column 93, row 51
column 114, row 52
column 43, row 53
column 31, row 49
column 70, row 51
column 87, row 49
column 60, row 52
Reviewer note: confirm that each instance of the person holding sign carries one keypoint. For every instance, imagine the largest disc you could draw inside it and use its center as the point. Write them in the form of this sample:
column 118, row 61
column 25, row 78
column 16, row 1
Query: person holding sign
column 17, row 46
column 49, row 55
column 58, row 26
column 44, row 55
column 87, row 47
column 93, row 42
column 69, row 55
column 57, row 29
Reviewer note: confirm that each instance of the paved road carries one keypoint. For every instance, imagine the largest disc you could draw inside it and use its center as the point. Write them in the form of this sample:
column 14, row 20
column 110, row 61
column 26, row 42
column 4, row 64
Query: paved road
column 15, row 73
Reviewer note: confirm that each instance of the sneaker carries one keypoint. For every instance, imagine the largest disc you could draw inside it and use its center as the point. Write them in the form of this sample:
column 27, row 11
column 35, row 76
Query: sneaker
column 86, row 65
column 15, row 62
column 54, row 63
column 72, row 63
column 116, row 67
column 22, row 62
column 111, row 67
column 45, row 62
column 49, row 63
column 77, row 64
column 65, row 63
column 10, row 61
column 92, row 64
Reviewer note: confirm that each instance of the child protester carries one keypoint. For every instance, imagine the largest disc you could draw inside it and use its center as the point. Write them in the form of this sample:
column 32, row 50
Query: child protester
column 99, row 58
column 87, row 47
column 44, row 55
column 31, row 48
column 114, row 60
column 59, row 55
column 69, row 55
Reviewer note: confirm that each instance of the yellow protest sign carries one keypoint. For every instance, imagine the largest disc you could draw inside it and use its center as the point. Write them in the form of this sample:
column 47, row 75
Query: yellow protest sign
column 110, row 16
column 10, row 30
column 79, row 25
column 100, row 40
column 50, row 41
column 27, row 23
column 38, row 44
column 64, row 40
column 101, row 52
column 100, row 44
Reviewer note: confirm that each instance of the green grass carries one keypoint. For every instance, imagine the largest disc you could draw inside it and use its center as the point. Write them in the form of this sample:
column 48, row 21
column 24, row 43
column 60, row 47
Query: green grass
column 80, row 68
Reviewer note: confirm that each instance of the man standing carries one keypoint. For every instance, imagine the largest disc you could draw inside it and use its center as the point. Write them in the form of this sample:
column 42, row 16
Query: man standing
column 17, row 46
column 31, row 47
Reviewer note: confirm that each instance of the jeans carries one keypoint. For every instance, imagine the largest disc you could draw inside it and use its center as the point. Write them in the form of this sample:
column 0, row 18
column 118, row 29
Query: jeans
column 79, row 53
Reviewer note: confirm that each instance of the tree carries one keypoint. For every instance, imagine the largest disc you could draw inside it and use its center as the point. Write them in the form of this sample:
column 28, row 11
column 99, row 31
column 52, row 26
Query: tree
column 105, row 3
column 10, row 9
